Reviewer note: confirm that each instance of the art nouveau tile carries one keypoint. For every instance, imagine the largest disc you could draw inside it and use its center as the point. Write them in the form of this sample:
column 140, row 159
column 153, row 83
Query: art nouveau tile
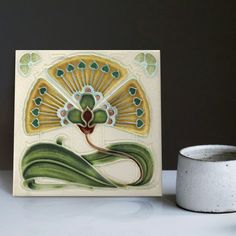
column 87, row 123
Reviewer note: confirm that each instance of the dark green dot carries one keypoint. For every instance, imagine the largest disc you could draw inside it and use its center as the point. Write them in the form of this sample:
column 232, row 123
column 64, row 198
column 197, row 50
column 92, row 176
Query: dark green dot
column 137, row 101
column 42, row 90
column 94, row 66
column 38, row 101
column 105, row 69
column 35, row 111
column 132, row 91
column 70, row 68
column 60, row 73
column 115, row 74
column 82, row 65
column 35, row 123
column 139, row 123
column 139, row 112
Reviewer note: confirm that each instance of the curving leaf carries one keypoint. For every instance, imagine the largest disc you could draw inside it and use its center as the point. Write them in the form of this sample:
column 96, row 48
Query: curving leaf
column 56, row 162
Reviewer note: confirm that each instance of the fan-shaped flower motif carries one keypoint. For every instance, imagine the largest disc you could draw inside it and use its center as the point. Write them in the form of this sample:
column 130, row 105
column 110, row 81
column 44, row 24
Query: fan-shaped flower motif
column 86, row 91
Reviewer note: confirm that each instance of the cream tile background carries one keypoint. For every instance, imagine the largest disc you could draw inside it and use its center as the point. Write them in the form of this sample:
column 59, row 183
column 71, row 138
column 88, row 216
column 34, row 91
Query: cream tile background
column 74, row 139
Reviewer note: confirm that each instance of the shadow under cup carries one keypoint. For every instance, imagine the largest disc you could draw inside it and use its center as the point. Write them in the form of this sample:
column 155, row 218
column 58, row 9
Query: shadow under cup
column 206, row 178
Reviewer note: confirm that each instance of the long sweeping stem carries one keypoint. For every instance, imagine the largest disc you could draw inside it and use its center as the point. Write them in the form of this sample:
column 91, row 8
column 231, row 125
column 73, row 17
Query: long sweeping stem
column 116, row 153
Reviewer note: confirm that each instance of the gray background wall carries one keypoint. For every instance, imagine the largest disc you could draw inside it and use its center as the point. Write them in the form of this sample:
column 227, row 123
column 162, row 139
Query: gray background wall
column 198, row 46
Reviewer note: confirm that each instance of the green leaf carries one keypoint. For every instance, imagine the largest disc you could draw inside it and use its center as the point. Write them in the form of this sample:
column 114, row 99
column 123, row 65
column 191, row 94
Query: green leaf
column 139, row 153
column 35, row 57
column 150, row 59
column 25, row 59
column 60, row 73
column 139, row 57
column 100, row 117
column 87, row 100
column 56, row 162
column 150, row 69
column 24, row 69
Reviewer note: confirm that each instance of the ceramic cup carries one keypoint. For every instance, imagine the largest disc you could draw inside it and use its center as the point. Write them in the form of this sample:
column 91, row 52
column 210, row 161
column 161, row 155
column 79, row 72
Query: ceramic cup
column 206, row 178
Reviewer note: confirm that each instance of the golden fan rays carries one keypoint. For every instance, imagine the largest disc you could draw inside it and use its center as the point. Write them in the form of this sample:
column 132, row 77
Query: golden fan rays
column 91, row 80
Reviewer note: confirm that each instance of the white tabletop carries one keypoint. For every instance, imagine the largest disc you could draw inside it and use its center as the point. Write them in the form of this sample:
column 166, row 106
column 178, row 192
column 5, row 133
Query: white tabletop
column 106, row 216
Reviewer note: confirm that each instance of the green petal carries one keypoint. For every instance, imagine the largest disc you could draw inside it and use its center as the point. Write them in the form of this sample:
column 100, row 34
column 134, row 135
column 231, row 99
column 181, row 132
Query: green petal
column 24, row 69
column 139, row 57
column 100, row 117
column 74, row 116
column 87, row 100
column 25, row 59
column 150, row 59
column 35, row 57
column 150, row 69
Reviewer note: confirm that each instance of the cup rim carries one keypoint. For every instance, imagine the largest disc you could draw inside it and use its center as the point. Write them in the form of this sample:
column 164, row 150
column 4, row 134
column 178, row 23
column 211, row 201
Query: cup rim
column 207, row 146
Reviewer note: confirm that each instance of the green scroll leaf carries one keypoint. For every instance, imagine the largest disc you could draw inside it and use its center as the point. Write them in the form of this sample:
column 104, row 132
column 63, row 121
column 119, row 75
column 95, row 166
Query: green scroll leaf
column 56, row 162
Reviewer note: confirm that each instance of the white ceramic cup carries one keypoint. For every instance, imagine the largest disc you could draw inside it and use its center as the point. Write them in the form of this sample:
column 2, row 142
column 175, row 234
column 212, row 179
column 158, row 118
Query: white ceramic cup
column 206, row 178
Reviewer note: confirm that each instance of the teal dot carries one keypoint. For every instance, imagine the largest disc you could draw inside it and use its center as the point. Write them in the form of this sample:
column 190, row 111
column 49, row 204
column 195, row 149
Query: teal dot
column 82, row 65
column 38, row 101
column 94, row 66
column 35, row 112
column 60, row 73
column 115, row 74
column 105, row 69
column 35, row 123
column 139, row 112
column 139, row 123
column 70, row 68
column 132, row 91
column 42, row 90
column 137, row 101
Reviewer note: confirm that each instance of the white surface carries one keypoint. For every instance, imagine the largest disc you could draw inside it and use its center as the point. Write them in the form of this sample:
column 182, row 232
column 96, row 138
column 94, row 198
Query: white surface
column 206, row 178
column 106, row 216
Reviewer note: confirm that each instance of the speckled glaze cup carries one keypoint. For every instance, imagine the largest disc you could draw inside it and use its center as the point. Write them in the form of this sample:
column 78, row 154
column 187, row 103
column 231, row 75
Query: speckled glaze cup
column 206, row 178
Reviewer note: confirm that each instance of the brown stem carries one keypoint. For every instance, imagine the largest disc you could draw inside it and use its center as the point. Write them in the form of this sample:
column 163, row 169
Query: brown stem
column 117, row 153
